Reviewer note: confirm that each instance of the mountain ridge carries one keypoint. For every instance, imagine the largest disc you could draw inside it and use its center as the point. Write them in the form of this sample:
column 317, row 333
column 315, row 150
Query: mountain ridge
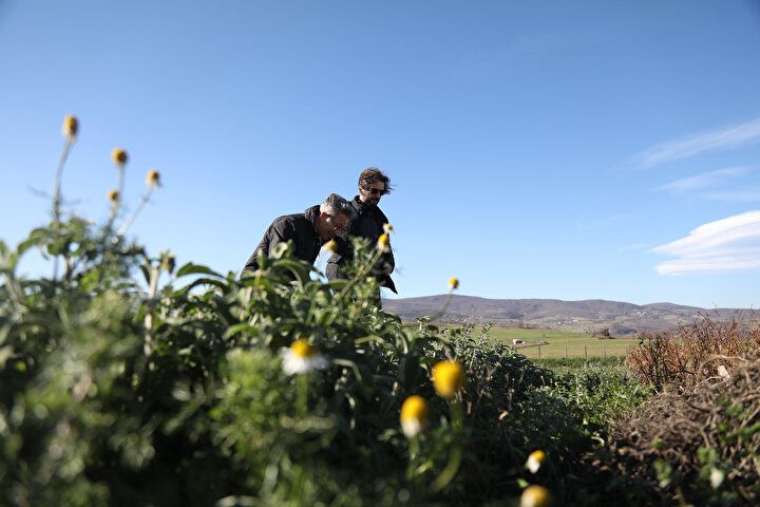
column 591, row 315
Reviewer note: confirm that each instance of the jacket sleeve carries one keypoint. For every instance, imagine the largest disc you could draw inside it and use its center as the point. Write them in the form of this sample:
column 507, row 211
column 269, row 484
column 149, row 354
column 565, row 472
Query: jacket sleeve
column 276, row 233
column 280, row 232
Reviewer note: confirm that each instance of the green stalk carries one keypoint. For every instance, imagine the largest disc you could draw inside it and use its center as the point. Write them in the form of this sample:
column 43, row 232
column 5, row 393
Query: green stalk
column 303, row 394
column 455, row 456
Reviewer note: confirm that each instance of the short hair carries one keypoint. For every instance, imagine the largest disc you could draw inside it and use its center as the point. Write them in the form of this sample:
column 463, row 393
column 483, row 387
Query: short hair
column 374, row 175
column 335, row 204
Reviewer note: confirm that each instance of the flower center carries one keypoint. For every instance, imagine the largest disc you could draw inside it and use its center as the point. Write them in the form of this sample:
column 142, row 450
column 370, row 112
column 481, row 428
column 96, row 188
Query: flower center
column 301, row 348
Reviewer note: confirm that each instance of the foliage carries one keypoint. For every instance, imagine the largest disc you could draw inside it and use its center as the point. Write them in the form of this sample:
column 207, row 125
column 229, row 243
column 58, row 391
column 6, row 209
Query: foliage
column 119, row 390
column 125, row 380
column 697, row 446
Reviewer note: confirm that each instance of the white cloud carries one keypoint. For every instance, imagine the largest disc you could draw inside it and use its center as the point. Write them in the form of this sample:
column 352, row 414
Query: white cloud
column 730, row 137
column 727, row 263
column 731, row 243
column 705, row 180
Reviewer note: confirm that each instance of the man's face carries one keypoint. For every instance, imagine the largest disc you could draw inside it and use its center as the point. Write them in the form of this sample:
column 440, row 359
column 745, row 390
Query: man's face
column 334, row 225
column 372, row 192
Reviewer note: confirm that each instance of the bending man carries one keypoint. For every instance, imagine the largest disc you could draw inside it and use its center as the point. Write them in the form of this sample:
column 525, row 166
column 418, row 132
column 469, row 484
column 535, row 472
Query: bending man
column 307, row 231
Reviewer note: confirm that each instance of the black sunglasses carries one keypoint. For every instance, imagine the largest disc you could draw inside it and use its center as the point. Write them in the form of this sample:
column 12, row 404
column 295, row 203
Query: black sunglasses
column 374, row 190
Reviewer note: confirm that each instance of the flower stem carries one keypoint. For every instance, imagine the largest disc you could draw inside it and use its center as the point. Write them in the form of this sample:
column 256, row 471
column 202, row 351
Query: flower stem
column 455, row 455
column 143, row 201
column 57, row 196
column 303, row 394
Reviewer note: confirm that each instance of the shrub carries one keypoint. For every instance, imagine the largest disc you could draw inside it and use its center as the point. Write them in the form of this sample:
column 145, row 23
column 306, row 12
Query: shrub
column 698, row 446
column 694, row 352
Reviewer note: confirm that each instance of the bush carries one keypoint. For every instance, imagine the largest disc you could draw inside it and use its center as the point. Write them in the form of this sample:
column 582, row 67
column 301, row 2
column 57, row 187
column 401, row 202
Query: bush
column 694, row 352
column 698, row 446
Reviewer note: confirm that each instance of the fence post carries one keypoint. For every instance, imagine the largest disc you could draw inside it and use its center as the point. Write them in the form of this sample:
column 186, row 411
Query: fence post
column 565, row 349
column 585, row 351
column 605, row 350
column 539, row 351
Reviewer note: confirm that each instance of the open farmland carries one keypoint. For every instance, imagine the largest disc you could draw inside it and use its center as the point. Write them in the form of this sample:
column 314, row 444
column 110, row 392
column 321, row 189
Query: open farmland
column 555, row 343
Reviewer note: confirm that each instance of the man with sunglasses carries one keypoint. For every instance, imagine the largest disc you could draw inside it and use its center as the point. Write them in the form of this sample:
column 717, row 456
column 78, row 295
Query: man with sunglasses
column 307, row 231
column 368, row 223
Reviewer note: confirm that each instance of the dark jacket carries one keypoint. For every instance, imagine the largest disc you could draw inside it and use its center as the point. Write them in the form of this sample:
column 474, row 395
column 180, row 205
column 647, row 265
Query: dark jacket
column 367, row 223
column 300, row 228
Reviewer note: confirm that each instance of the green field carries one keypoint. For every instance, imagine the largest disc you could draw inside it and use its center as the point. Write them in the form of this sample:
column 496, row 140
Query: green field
column 558, row 343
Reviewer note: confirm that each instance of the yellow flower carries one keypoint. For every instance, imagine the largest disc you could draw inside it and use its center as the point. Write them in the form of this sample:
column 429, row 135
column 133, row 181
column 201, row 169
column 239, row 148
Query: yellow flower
column 383, row 242
column 119, row 157
column 454, row 283
column 153, row 178
column 70, row 127
column 113, row 197
column 535, row 496
column 301, row 357
column 414, row 412
column 387, row 228
column 535, row 460
column 331, row 246
column 448, row 378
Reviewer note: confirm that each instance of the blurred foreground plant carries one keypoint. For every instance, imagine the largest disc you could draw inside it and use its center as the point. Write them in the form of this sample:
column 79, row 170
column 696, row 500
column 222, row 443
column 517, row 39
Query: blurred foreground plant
column 131, row 381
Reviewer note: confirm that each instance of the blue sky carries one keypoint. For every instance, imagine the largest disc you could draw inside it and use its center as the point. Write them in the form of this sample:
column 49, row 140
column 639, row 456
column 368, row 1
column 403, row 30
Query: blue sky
column 569, row 150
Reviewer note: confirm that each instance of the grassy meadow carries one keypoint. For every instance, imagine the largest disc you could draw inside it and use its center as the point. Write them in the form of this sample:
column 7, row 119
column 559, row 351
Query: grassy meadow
column 556, row 343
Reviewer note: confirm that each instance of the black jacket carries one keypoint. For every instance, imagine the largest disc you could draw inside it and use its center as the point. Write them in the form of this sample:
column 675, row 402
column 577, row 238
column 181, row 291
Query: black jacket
column 368, row 223
column 300, row 228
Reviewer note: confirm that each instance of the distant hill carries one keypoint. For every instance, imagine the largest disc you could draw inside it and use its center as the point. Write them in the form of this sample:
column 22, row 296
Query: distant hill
column 587, row 315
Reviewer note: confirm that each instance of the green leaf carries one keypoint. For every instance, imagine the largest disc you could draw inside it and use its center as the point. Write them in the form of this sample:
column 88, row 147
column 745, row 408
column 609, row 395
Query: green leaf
column 145, row 272
column 240, row 328
column 205, row 281
column 197, row 269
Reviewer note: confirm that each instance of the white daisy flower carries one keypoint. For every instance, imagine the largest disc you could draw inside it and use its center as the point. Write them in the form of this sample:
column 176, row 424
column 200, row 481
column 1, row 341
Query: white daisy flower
column 302, row 357
column 716, row 477
column 534, row 461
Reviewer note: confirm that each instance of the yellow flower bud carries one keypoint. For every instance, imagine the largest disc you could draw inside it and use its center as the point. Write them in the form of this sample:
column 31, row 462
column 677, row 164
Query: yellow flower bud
column 153, row 178
column 535, row 460
column 113, row 197
column 119, row 157
column 535, row 496
column 453, row 283
column 387, row 228
column 331, row 246
column 383, row 242
column 414, row 412
column 448, row 378
column 70, row 127
column 168, row 262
